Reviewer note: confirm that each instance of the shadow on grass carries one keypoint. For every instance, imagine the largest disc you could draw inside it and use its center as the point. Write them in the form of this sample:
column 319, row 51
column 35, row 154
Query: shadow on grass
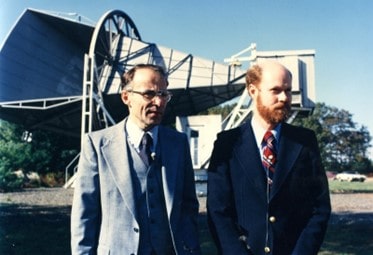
column 207, row 245
column 35, row 230
column 349, row 234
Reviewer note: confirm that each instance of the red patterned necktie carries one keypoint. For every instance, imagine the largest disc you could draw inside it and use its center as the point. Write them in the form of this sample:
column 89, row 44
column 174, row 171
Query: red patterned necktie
column 269, row 153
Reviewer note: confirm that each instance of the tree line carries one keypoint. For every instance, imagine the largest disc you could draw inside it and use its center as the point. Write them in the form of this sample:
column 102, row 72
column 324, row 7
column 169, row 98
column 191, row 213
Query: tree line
column 344, row 144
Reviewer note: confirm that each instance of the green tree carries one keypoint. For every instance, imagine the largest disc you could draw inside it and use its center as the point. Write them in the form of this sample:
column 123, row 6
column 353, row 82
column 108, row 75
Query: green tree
column 343, row 143
column 13, row 155
column 45, row 153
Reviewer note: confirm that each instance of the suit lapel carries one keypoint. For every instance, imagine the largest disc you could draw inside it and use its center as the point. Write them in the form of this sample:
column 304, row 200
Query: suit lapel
column 115, row 152
column 167, row 166
column 248, row 156
column 287, row 155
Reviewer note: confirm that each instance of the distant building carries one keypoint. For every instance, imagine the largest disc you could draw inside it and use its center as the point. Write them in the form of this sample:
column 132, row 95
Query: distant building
column 201, row 131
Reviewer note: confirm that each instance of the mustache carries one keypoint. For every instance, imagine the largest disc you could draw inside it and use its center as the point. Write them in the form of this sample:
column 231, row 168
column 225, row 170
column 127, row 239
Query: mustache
column 282, row 106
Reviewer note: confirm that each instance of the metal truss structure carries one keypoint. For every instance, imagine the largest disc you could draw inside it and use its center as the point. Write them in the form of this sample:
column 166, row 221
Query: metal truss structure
column 47, row 56
column 116, row 46
column 63, row 75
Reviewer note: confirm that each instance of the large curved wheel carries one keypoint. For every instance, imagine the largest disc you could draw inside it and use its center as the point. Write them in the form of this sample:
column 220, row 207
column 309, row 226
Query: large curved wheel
column 106, row 46
column 105, row 66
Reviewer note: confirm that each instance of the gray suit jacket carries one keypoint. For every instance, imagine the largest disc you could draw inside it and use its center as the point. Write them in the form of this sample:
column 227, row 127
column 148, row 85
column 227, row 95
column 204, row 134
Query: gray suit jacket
column 103, row 219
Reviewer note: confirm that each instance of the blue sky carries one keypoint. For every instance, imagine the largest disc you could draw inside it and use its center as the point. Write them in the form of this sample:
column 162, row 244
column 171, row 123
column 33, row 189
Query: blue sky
column 341, row 33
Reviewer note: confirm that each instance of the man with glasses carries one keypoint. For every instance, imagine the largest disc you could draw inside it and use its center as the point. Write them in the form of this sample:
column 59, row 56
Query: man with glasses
column 135, row 190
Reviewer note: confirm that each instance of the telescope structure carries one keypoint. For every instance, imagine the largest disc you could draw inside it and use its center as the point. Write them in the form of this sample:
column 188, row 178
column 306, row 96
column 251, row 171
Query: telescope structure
column 61, row 72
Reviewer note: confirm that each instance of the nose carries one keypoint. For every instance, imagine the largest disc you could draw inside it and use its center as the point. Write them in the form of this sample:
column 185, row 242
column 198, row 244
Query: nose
column 284, row 96
column 158, row 100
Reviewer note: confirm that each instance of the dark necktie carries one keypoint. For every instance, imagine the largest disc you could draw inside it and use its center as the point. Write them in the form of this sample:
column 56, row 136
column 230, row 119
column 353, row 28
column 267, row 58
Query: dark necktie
column 269, row 153
column 145, row 152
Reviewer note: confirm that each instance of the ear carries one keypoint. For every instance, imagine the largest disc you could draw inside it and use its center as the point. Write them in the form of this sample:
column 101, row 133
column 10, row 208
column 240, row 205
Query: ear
column 125, row 97
column 251, row 89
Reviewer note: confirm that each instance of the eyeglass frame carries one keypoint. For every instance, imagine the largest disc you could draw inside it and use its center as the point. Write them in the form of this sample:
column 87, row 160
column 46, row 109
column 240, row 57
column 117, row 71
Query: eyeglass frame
column 151, row 94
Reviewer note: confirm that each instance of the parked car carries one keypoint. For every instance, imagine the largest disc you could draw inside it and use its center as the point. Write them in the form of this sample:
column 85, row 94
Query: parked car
column 350, row 176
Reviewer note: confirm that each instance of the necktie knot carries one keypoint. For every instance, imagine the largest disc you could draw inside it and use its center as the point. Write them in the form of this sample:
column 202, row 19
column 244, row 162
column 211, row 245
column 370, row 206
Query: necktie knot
column 269, row 152
column 269, row 139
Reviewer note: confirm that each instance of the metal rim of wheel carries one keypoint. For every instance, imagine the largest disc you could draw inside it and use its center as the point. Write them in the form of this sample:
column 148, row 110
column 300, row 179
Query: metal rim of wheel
column 106, row 41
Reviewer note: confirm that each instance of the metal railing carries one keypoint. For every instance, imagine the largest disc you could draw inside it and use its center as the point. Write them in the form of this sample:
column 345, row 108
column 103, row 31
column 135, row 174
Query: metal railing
column 74, row 166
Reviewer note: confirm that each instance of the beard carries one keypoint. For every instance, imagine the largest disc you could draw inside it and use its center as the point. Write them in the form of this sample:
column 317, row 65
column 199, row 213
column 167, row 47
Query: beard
column 275, row 115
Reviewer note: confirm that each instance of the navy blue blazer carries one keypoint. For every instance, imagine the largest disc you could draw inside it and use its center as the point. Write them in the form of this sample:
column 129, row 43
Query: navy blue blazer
column 289, row 219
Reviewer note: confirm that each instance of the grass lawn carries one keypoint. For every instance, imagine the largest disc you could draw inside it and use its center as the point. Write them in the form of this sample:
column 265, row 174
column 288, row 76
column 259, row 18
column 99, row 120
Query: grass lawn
column 343, row 237
column 348, row 239
column 38, row 231
column 350, row 187
column 35, row 230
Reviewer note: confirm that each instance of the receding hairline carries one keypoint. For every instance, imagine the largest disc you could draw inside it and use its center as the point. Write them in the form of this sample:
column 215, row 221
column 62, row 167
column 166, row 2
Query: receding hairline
column 254, row 73
column 128, row 76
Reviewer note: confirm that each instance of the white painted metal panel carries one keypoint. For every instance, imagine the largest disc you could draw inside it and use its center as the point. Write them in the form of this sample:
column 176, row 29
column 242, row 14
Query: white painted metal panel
column 301, row 65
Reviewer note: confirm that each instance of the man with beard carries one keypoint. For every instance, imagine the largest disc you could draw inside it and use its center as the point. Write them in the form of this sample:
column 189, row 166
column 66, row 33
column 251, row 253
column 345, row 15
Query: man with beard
column 267, row 189
column 135, row 191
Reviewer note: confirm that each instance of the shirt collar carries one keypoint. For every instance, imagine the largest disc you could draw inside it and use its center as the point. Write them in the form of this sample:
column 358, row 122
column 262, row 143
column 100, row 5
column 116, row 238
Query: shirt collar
column 135, row 134
column 259, row 132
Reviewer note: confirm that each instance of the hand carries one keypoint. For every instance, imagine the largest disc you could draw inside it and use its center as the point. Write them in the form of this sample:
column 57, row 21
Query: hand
column 243, row 239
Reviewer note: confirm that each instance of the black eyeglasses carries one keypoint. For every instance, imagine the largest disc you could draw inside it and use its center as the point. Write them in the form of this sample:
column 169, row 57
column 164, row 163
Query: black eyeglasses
column 151, row 94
